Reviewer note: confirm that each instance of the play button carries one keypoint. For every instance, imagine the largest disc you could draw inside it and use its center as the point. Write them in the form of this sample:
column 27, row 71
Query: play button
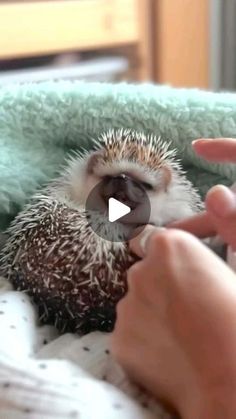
column 116, row 210
column 116, row 206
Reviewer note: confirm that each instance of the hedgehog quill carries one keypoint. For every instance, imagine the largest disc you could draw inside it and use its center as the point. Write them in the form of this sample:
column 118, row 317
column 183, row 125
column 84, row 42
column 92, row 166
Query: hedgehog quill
column 75, row 276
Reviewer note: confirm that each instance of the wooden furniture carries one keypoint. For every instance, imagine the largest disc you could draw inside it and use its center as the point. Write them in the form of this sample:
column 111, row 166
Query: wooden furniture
column 181, row 33
column 33, row 28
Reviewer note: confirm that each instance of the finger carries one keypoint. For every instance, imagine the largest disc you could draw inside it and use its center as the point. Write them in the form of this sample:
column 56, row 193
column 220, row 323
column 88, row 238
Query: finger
column 221, row 201
column 138, row 245
column 200, row 225
column 221, row 206
column 216, row 150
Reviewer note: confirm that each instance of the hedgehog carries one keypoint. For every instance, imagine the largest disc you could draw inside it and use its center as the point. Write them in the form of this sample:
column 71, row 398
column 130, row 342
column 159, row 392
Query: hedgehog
column 74, row 275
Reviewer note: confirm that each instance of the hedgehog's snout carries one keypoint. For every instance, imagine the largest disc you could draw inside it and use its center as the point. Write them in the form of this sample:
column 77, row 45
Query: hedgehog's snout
column 123, row 188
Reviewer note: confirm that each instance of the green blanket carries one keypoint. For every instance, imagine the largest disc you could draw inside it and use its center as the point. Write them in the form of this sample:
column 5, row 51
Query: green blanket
column 40, row 124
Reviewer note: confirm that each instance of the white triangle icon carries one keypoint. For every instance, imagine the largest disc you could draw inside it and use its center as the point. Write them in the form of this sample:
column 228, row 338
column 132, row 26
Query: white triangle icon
column 116, row 210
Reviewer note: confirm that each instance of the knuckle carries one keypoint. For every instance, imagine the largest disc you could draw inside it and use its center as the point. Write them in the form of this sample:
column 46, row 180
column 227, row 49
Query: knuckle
column 121, row 307
column 127, row 310
column 135, row 276
column 135, row 270
column 124, row 311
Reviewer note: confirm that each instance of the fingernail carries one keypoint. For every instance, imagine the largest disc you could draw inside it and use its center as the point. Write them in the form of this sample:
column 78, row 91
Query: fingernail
column 202, row 140
column 139, row 244
column 221, row 201
column 146, row 235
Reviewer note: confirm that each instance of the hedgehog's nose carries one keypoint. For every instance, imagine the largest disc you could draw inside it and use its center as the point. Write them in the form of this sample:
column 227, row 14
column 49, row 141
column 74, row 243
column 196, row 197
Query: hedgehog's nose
column 124, row 189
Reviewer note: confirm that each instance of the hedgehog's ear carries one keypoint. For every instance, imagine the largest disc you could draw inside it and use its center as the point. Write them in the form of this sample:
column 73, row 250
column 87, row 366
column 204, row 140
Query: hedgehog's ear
column 94, row 158
column 166, row 177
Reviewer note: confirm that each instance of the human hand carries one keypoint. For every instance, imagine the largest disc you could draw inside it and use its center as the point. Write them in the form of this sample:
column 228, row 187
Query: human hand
column 175, row 331
column 220, row 215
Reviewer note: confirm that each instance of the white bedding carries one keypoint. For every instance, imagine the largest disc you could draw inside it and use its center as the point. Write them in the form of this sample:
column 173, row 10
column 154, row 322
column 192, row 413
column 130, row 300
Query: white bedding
column 43, row 375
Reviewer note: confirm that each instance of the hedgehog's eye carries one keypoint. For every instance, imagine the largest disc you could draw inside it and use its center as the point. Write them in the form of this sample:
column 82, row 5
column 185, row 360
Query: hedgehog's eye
column 147, row 186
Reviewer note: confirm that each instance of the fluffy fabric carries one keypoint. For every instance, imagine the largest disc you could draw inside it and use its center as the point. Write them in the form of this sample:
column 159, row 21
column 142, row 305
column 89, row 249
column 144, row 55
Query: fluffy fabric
column 41, row 123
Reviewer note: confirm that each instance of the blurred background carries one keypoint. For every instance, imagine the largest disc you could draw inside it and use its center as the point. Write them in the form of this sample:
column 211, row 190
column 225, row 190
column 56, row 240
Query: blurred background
column 184, row 43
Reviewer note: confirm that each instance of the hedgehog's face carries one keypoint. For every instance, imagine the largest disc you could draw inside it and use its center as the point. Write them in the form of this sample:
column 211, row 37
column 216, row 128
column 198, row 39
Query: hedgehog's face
column 129, row 166
column 124, row 176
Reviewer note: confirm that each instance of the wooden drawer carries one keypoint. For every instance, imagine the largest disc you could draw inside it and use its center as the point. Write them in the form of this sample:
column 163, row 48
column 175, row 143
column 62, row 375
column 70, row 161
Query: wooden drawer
column 41, row 27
